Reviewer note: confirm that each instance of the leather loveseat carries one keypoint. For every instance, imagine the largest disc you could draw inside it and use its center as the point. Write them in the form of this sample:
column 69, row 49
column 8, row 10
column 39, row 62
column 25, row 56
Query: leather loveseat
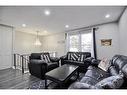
column 80, row 59
column 38, row 66
column 96, row 78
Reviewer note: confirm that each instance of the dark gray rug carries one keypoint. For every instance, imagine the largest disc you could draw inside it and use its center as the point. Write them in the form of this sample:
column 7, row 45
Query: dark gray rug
column 53, row 85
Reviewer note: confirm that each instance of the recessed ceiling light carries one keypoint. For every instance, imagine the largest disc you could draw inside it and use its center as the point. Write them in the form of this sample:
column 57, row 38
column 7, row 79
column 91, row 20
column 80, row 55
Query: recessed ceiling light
column 66, row 26
column 23, row 25
column 107, row 15
column 47, row 12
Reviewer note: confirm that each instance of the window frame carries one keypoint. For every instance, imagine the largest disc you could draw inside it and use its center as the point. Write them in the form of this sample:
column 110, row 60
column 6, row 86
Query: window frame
column 79, row 34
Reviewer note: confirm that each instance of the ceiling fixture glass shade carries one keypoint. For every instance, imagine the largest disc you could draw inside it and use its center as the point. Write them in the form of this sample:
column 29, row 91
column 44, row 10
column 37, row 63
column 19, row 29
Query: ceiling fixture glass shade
column 37, row 41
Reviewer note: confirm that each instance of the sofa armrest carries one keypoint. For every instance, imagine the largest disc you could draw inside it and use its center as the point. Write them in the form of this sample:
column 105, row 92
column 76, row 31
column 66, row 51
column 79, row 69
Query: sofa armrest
column 63, row 57
column 88, row 59
column 95, row 62
column 54, row 59
column 37, row 68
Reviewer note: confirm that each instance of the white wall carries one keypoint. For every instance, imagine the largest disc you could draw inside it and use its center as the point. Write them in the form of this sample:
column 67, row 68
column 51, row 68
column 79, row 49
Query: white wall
column 54, row 43
column 123, row 33
column 24, row 43
column 107, row 31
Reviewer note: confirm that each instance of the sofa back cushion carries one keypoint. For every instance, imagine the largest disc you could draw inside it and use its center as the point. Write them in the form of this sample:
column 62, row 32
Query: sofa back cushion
column 119, row 61
column 35, row 56
column 113, row 71
column 78, row 56
column 124, row 70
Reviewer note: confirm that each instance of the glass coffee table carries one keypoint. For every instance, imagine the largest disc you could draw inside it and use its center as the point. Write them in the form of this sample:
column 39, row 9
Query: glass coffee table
column 61, row 74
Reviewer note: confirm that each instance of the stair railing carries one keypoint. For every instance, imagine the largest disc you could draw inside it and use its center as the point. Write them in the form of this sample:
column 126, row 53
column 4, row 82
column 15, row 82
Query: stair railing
column 21, row 62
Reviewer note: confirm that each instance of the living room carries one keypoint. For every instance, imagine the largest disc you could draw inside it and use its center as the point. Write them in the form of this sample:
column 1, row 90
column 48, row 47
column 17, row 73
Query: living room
column 98, row 30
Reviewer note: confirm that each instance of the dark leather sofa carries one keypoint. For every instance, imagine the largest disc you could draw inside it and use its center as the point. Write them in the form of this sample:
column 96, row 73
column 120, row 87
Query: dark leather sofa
column 83, row 65
column 96, row 78
column 39, row 67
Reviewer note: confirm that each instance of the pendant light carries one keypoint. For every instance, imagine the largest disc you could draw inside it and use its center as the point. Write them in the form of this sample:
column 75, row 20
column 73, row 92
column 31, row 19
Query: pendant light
column 37, row 41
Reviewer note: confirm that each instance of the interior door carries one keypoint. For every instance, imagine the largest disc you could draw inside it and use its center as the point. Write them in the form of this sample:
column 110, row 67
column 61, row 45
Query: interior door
column 5, row 47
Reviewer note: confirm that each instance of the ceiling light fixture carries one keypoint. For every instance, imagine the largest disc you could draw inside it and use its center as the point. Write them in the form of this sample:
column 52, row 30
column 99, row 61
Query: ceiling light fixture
column 107, row 15
column 47, row 12
column 45, row 31
column 23, row 25
column 37, row 41
column 66, row 26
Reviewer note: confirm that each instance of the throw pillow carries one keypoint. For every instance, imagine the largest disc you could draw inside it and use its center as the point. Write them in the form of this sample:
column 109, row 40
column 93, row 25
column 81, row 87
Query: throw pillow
column 45, row 57
column 81, row 58
column 104, row 64
column 69, row 56
column 42, row 57
column 74, row 57
column 112, row 82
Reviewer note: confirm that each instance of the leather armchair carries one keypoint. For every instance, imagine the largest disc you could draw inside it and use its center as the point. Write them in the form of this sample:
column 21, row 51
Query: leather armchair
column 38, row 67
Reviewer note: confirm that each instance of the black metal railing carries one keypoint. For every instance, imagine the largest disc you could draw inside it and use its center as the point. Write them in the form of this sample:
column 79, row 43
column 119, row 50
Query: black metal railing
column 21, row 62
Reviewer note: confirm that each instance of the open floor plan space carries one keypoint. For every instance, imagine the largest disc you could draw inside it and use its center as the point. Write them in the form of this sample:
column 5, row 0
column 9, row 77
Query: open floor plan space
column 63, row 47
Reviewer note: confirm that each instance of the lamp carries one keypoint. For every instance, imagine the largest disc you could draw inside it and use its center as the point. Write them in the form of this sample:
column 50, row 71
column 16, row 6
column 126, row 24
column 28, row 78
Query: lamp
column 37, row 41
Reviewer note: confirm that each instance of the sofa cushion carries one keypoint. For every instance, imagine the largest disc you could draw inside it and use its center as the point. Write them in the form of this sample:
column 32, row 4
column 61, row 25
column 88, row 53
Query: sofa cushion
column 79, row 85
column 88, row 80
column 124, row 70
column 119, row 61
column 52, row 65
column 74, row 62
column 110, row 82
column 96, row 73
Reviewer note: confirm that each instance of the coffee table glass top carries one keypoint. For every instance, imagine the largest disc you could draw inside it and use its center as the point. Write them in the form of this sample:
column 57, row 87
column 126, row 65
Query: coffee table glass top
column 61, row 73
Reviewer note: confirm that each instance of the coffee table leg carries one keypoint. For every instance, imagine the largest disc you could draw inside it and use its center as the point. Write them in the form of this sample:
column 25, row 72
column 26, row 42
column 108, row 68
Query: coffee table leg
column 61, row 85
column 45, row 83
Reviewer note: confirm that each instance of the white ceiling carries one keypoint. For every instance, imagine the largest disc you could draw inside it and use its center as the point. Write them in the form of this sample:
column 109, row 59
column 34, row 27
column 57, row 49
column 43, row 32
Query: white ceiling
column 74, row 16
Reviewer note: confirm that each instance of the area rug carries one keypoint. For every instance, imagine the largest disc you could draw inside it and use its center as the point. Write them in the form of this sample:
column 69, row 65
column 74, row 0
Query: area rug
column 53, row 85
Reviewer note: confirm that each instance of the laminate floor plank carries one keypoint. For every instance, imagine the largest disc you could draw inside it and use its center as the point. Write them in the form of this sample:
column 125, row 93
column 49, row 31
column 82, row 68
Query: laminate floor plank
column 14, row 79
column 26, row 84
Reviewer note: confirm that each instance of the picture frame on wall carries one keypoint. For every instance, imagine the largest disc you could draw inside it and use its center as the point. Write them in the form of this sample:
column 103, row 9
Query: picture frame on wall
column 106, row 42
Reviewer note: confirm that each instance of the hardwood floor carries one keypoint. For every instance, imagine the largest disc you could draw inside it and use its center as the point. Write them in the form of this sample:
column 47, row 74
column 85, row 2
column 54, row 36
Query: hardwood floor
column 14, row 79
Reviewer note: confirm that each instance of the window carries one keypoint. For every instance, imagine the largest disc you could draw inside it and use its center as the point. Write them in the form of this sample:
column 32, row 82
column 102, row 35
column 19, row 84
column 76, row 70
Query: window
column 80, row 42
column 86, row 42
column 74, row 43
